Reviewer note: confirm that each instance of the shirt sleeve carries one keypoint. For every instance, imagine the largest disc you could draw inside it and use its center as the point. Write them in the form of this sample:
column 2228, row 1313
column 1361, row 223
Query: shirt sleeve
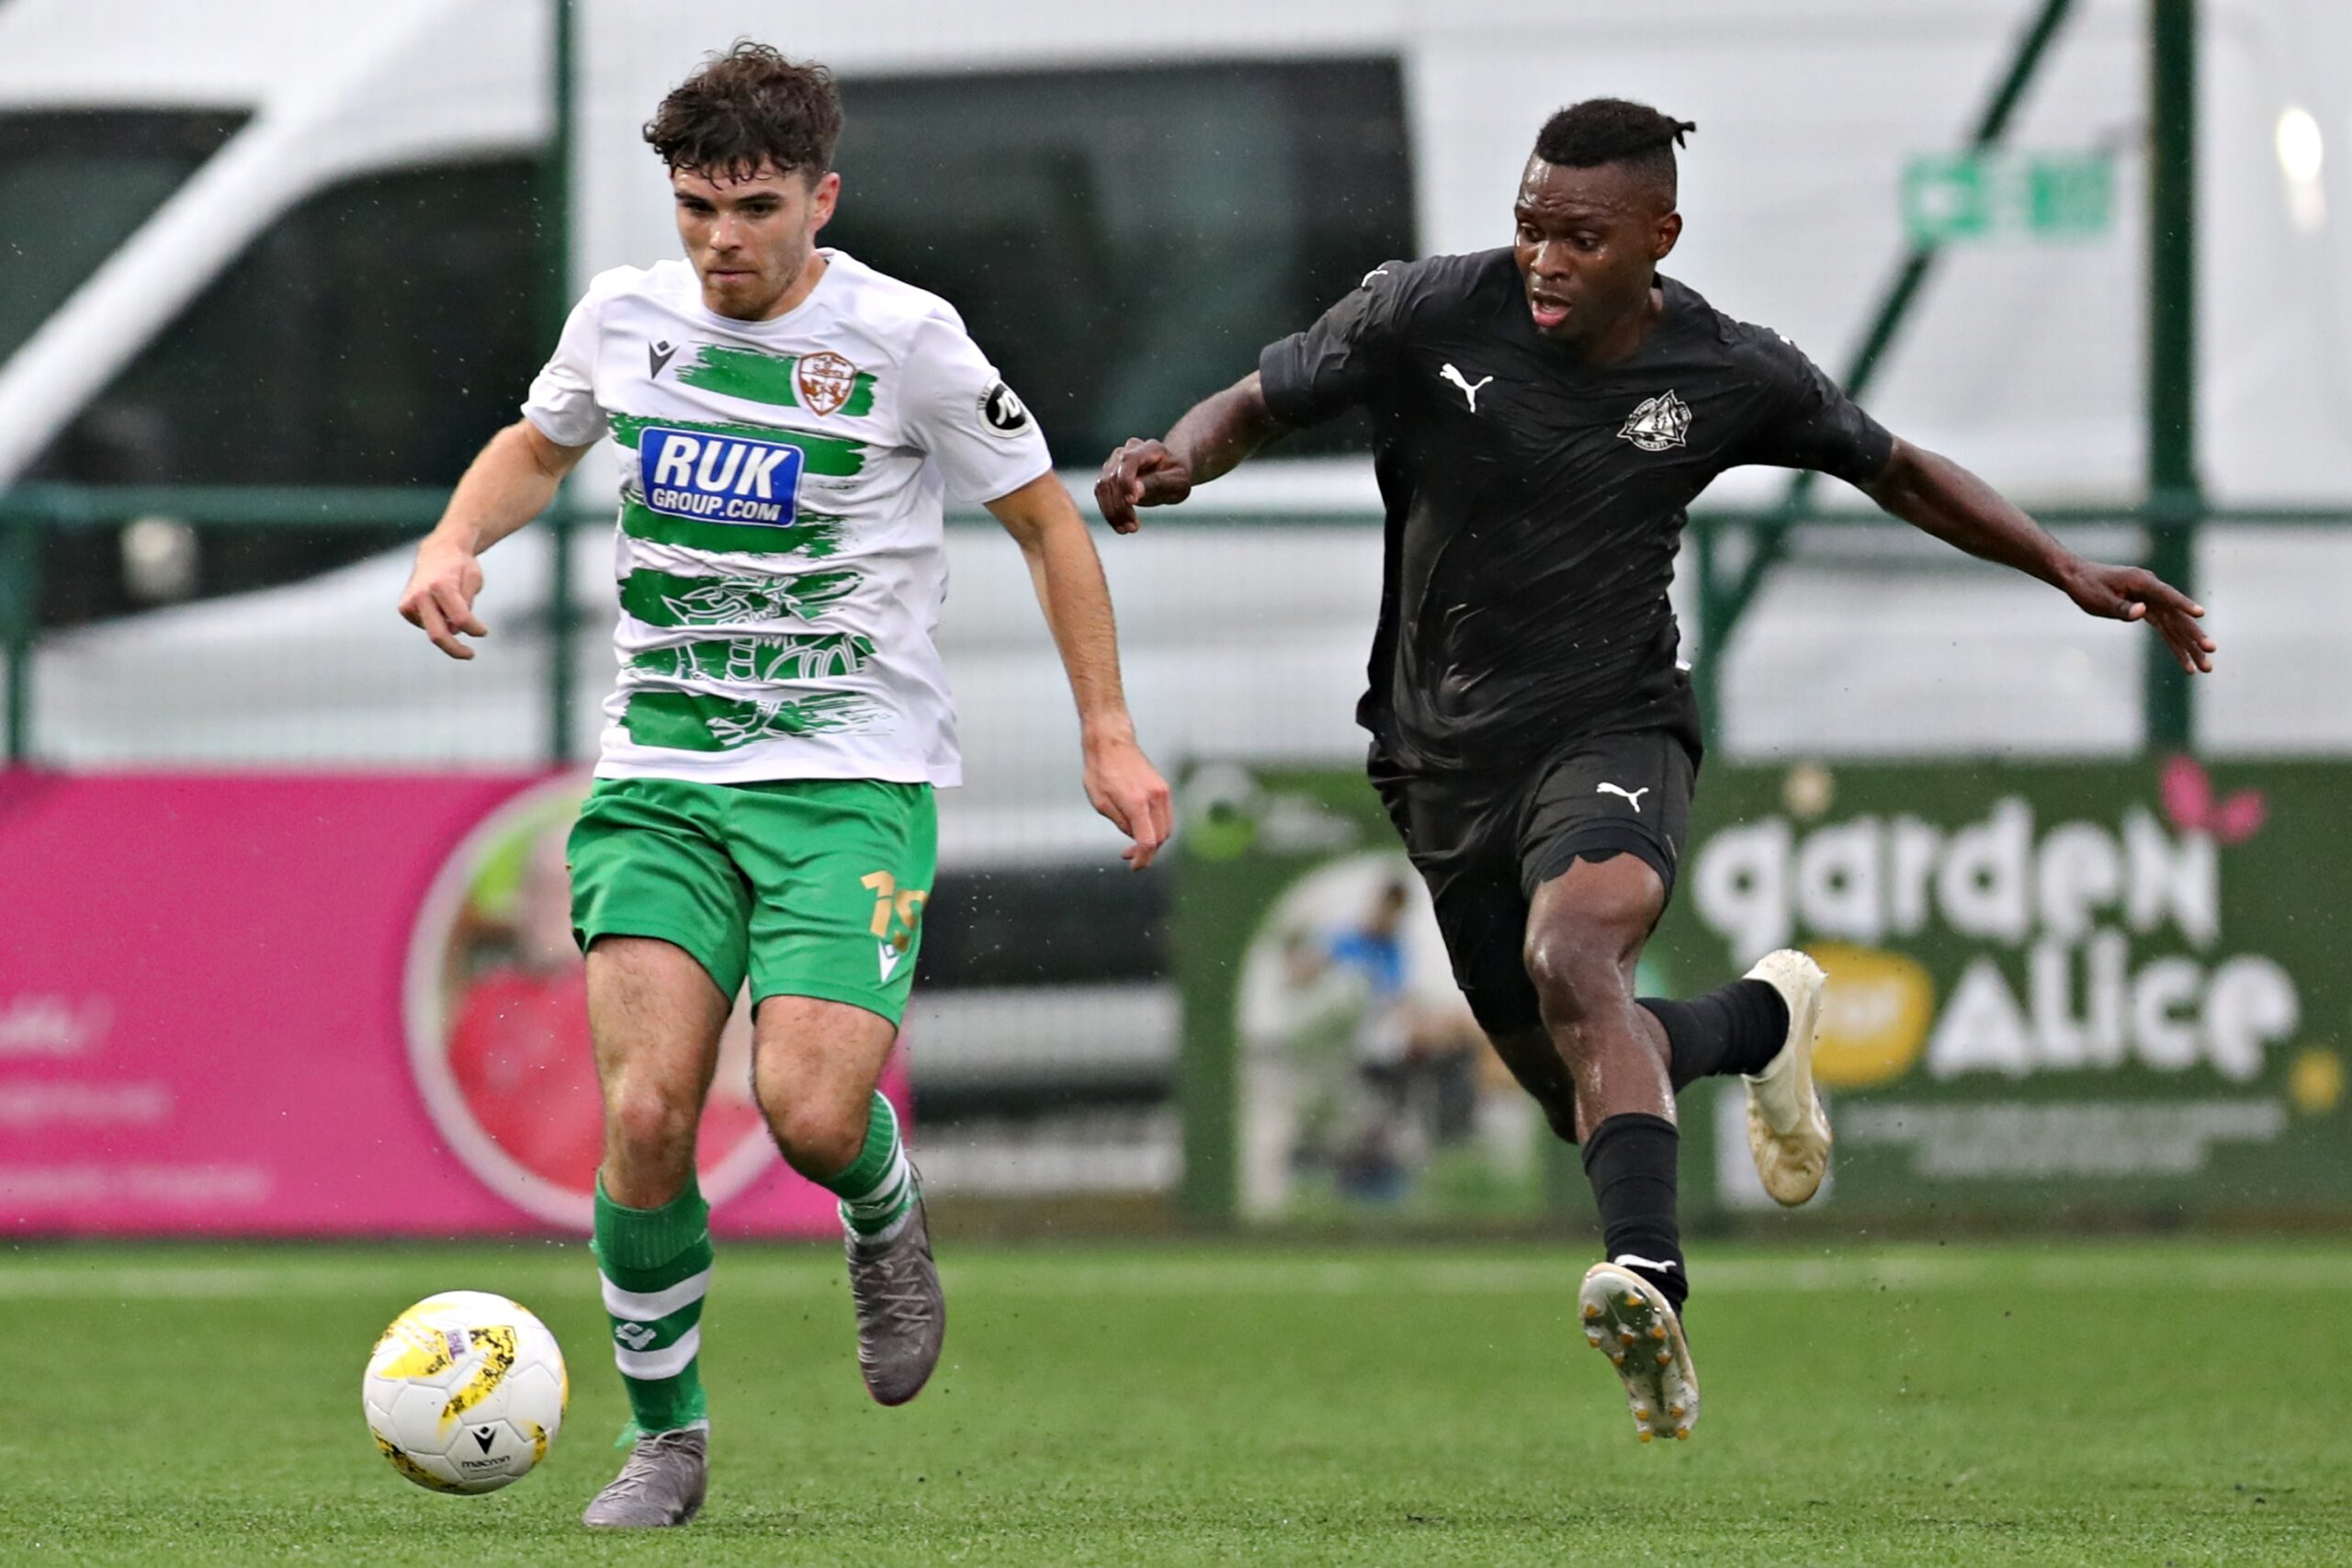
column 1343, row 359
column 562, row 400
column 1809, row 421
column 958, row 410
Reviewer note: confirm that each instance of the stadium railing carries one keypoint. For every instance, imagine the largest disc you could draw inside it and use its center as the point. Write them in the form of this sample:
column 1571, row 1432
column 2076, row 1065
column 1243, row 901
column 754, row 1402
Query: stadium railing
column 1722, row 548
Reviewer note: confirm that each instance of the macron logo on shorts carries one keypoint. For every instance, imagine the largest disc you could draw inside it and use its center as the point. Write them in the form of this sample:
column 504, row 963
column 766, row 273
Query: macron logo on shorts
column 718, row 478
column 1632, row 796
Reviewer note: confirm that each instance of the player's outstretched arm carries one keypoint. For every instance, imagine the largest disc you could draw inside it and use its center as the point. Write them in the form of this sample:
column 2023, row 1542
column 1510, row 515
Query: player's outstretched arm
column 1209, row 442
column 1938, row 496
column 1120, row 780
column 512, row 481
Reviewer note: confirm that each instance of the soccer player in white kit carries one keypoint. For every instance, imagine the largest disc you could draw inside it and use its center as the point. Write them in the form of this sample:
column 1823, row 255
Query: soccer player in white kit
column 787, row 423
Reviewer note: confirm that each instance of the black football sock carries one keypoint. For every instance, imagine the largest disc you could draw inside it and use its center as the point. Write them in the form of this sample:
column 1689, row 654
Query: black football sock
column 1631, row 1161
column 1738, row 1028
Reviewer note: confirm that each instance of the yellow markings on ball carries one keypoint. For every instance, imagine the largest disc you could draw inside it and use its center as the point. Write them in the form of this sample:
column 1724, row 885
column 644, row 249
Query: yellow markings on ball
column 495, row 1344
column 427, row 1351
column 410, row 1468
column 539, row 1443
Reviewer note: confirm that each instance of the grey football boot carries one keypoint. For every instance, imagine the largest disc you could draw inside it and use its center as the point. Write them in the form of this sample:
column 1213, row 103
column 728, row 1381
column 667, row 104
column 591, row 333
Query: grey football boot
column 662, row 1483
column 902, row 1313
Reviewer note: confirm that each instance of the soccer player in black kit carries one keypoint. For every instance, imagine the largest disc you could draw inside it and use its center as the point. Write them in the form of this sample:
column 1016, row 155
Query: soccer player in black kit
column 1543, row 416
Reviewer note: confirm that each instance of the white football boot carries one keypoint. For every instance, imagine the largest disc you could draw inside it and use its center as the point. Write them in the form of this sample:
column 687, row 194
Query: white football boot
column 1788, row 1132
column 1628, row 1320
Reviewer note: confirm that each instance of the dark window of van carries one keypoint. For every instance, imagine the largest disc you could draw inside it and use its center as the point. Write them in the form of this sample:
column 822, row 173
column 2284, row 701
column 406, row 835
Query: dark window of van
column 378, row 334
column 74, row 185
column 1123, row 242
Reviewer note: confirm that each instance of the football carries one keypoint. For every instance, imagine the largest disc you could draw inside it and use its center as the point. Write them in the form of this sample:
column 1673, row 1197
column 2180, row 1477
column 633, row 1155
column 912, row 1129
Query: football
column 465, row 1392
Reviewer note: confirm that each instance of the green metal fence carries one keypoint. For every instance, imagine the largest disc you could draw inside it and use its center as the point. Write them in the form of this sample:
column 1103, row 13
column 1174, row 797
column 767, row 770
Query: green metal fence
column 1723, row 545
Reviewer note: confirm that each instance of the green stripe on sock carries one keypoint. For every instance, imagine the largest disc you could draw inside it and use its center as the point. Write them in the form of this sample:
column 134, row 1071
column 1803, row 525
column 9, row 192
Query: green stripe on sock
column 652, row 1242
column 874, row 1160
column 863, row 1209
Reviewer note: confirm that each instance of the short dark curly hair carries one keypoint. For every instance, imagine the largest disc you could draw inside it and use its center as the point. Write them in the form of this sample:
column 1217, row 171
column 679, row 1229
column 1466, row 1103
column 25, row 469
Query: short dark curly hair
column 1614, row 130
column 748, row 106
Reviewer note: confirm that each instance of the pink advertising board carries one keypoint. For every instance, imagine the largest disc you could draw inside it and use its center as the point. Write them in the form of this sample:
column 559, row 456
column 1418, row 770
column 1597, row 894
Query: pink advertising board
column 315, row 1005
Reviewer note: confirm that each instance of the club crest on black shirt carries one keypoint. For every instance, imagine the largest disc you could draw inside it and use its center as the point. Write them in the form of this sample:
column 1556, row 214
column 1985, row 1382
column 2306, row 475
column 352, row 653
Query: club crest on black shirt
column 1660, row 422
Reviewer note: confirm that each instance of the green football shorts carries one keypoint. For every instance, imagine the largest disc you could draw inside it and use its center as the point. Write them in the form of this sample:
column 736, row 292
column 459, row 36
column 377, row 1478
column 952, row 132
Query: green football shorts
column 812, row 887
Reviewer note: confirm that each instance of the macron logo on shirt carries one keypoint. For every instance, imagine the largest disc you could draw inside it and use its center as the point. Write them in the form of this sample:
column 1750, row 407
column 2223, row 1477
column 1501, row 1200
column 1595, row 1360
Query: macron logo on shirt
column 717, row 478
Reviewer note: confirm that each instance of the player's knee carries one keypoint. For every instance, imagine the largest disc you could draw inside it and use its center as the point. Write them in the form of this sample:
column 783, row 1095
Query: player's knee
column 648, row 1124
column 648, row 1136
column 1577, row 970
column 817, row 1139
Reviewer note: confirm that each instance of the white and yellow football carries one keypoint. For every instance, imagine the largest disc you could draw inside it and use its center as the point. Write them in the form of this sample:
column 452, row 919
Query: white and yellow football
column 465, row 1392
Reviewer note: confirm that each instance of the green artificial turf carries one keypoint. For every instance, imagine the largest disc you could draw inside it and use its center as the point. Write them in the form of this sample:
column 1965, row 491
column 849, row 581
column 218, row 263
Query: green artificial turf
column 2179, row 1401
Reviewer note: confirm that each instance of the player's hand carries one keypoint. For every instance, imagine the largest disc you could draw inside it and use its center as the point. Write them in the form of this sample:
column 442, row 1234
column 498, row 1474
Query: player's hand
column 1125, row 787
column 1141, row 473
column 440, row 595
column 2135, row 593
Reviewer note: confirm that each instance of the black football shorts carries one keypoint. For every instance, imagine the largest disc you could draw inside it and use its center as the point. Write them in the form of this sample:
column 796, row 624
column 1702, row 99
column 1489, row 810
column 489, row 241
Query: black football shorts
column 1485, row 844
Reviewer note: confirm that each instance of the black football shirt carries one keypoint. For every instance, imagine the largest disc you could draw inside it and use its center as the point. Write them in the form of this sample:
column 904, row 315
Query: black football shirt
column 1535, row 503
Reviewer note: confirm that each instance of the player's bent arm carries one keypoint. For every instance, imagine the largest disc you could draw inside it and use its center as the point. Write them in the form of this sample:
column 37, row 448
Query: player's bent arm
column 512, row 480
column 1212, row 439
column 1938, row 497
column 1120, row 780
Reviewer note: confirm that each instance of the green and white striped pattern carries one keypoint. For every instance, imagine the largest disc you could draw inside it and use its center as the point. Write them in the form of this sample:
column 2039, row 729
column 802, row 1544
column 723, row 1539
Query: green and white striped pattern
column 781, row 554
column 657, row 1333
column 655, row 1266
column 877, row 1192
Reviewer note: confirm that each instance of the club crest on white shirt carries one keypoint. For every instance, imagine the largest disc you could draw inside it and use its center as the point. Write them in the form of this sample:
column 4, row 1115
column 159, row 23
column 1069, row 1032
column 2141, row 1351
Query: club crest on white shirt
column 824, row 380
column 1659, row 423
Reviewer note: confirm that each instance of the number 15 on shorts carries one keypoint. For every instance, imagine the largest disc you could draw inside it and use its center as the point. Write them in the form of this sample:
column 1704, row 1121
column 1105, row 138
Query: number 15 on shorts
column 895, row 907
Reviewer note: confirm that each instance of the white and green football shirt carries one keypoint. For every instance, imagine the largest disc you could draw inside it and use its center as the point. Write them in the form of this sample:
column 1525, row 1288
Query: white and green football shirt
column 781, row 553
